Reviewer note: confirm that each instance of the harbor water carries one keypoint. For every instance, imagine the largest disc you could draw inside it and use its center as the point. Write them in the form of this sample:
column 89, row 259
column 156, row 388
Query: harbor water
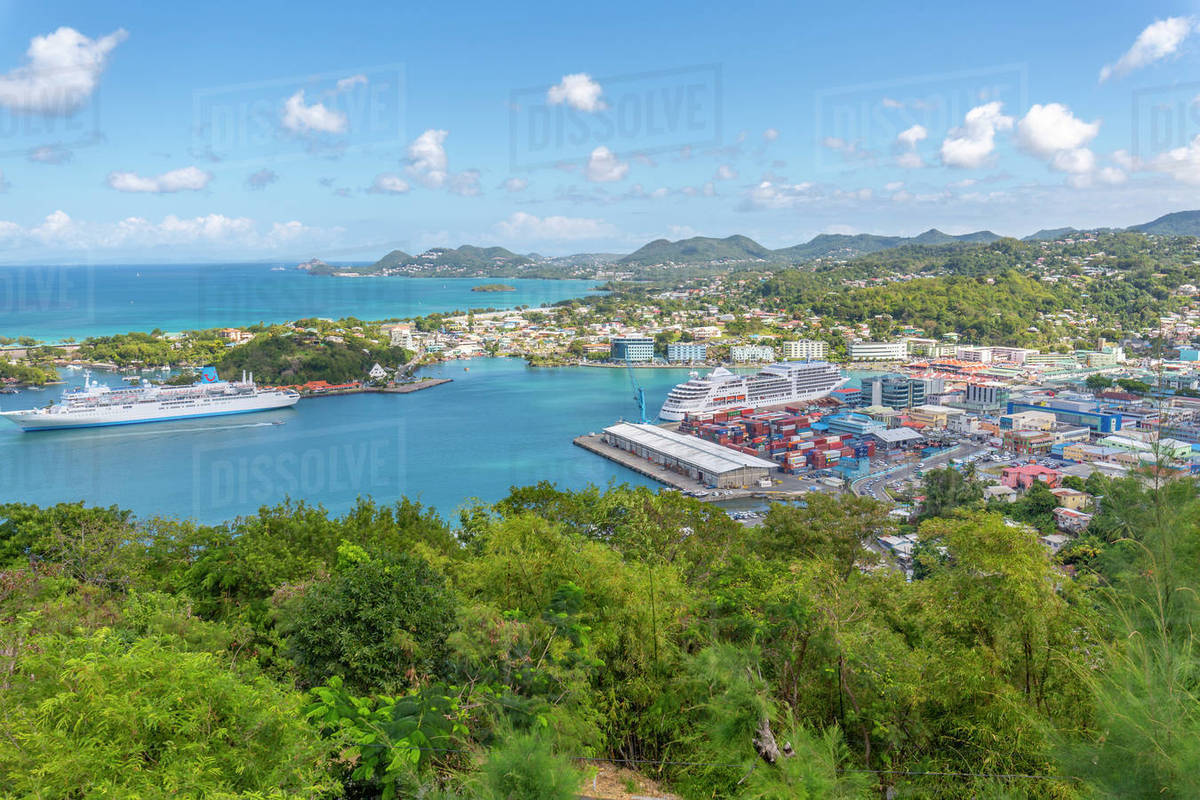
column 499, row 423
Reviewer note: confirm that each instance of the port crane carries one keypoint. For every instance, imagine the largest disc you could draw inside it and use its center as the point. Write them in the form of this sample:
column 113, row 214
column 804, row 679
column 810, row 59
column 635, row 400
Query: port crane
column 639, row 394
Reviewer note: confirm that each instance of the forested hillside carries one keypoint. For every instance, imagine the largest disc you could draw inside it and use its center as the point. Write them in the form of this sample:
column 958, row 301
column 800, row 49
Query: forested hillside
column 389, row 653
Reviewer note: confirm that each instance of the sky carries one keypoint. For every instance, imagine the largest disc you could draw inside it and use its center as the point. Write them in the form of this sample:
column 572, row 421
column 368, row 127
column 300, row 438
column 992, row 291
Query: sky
column 271, row 131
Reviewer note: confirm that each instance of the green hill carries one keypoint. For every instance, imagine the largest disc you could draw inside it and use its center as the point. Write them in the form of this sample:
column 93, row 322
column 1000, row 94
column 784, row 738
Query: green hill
column 393, row 259
column 1179, row 223
column 1049, row 234
column 698, row 249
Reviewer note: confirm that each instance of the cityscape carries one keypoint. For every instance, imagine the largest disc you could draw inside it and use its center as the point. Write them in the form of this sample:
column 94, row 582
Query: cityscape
column 453, row 404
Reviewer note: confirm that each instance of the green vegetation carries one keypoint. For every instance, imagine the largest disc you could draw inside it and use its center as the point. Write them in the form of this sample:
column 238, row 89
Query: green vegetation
column 298, row 356
column 386, row 654
column 193, row 348
column 27, row 374
column 493, row 287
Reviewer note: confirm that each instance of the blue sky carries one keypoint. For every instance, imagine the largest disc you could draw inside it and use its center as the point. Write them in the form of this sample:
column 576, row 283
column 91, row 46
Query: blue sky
column 281, row 131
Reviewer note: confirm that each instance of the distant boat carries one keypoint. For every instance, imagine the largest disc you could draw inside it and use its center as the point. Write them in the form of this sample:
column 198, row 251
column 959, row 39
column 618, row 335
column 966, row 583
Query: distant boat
column 278, row 269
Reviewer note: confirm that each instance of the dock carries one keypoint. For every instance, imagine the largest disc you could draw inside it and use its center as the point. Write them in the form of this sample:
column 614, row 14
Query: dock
column 403, row 388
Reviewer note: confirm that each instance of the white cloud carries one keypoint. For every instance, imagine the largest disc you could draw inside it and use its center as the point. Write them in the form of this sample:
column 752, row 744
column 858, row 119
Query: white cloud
column 1052, row 128
column 515, row 185
column 910, row 160
column 849, row 150
column 910, row 136
column 578, row 91
column 427, row 160
column 604, row 167
column 889, row 102
column 1160, row 39
column 770, row 134
column 726, row 173
column 894, row 186
column 51, row 154
column 529, row 227
column 61, row 71
column 186, row 179
column 299, row 118
column 58, row 232
column 971, row 144
column 771, row 195
column 1181, row 163
column 1079, row 161
column 388, row 183
column 346, row 84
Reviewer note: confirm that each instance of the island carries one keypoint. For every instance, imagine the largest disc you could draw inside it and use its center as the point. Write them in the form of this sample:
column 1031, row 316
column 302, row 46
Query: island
column 493, row 287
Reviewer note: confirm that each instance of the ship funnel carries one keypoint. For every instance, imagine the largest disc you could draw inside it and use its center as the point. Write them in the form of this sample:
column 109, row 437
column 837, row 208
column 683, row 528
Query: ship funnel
column 208, row 375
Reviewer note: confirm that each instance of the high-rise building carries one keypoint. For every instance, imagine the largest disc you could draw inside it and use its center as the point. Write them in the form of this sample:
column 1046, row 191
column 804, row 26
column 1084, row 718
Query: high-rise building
column 686, row 351
column 878, row 351
column 893, row 391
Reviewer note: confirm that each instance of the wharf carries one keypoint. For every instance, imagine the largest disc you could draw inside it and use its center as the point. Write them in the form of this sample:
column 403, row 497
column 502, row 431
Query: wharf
column 404, row 388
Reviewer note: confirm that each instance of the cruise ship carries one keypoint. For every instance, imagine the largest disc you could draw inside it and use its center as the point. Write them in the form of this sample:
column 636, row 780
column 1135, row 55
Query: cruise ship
column 96, row 405
column 788, row 382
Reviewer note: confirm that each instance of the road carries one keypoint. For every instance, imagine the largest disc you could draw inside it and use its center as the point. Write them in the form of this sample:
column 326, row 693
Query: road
column 873, row 485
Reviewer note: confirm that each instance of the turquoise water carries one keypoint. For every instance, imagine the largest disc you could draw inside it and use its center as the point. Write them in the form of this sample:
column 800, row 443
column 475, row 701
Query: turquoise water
column 497, row 425
column 52, row 303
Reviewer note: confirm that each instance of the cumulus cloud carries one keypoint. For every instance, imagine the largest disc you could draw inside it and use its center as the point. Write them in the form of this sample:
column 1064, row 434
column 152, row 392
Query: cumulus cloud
column 61, row 71
column 850, row 151
column 910, row 160
column 771, row 195
column 262, row 179
column 529, row 227
column 514, row 185
column 465, row 183
column 317, row 118
column 725, row 173
column 578, row 91
column 427, row 160
column 1159, row 40
column 346, row 84
column 971, row 144
column 1049, row 129
column 770, row 134
column 51, row 154
column 1180, row 163
column 186, row 179
column 910, row 136
column 604, row 167
column 388, row 183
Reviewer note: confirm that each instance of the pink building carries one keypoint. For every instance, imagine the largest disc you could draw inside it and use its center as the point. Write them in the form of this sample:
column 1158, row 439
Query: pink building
column 1023, row 476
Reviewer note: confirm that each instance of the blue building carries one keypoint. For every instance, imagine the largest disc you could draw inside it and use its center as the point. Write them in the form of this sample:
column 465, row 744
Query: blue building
column 631, row 348
column 853, row 424
column 684, row 351
column 893, row 391
column 1073, row 412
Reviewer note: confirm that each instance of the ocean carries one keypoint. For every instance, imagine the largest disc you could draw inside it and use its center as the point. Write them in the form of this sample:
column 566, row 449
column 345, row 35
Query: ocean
column 53, row 303
column 499, row 424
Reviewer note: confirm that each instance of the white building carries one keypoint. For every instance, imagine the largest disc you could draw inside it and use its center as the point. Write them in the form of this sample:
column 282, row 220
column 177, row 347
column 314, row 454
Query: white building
column 804, row 350
column 878, row 351
column 741, row 353
column 377, row 372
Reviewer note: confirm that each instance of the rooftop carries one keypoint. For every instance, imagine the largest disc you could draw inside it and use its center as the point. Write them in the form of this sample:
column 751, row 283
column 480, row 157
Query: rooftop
column 705, row 455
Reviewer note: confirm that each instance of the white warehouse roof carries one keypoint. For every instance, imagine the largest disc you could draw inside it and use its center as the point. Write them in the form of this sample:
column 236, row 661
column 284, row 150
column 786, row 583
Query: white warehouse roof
column 704, row 455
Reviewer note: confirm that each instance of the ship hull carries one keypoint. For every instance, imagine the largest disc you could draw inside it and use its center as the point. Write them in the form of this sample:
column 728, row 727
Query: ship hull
column 676, row 415
column 32, row 421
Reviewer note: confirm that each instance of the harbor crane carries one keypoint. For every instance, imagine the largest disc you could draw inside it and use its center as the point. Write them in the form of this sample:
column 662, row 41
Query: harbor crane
column 639, row 395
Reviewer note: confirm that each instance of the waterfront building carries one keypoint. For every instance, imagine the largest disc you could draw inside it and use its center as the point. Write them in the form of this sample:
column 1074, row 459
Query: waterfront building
column 878, row 351
column 706, row 462
column 848, row 396
column 686, row 352
column 631, row 348
column 742, row 353
column 804, row 350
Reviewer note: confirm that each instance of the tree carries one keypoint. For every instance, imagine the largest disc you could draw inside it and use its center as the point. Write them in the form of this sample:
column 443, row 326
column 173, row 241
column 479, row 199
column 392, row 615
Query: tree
column 948, row 489
column 97, row 716
column 1097, row 382
column 379, row 623
column 824, row 527
column 524, row 767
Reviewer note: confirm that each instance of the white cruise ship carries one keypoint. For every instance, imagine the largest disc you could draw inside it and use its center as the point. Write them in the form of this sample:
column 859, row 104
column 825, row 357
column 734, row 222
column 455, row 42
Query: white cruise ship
column 788, row 382
column 95, row 405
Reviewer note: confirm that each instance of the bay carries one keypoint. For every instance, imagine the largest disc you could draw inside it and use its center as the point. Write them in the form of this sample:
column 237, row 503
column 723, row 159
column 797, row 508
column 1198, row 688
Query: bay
column 499, row 423
column 55, row 302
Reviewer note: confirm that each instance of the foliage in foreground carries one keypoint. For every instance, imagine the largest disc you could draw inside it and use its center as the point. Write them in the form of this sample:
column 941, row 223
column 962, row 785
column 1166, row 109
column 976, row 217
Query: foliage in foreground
column 384, row 654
